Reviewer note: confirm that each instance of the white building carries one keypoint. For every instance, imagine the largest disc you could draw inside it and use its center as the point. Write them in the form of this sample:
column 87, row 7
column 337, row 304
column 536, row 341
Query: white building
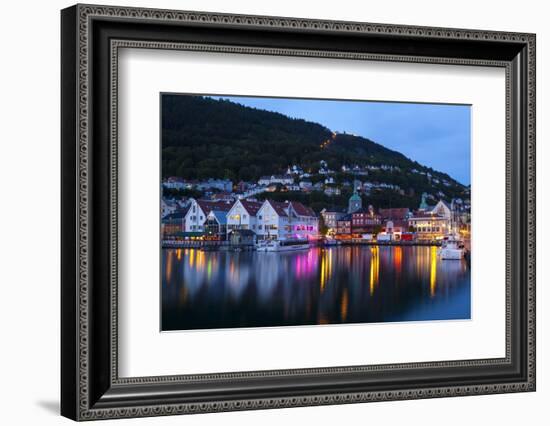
column 282, row 179
column 332, row 191
column 199, row 211
column 175, row 183
column 243, row 215
column 277, row 220
column 219, row 184
column 294, row 170
column 293, row 187
column 431, row 223
column 305, row 185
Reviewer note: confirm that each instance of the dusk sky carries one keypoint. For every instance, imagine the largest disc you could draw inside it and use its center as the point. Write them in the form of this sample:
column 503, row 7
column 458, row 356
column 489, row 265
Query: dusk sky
column 435, row 135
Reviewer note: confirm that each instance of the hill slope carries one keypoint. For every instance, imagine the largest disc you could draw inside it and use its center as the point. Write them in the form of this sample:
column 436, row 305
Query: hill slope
column 203, row 137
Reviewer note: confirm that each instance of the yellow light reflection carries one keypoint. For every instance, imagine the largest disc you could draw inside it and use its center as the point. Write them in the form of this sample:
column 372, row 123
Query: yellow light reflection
column 326, row 268
column 344, row 305
column 433, row 270
column 374, row 268
column 169, row 267
column 200, row 260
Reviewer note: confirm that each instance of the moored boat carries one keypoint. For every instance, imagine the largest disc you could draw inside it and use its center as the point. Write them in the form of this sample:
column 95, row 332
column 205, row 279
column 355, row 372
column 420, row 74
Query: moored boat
column 451, row 248
column 329, row 242
column 283, row 245
column 261, row 245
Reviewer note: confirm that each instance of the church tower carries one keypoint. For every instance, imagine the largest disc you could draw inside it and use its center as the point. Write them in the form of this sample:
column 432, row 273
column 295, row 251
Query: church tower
column 423, row 204
column 355, row 203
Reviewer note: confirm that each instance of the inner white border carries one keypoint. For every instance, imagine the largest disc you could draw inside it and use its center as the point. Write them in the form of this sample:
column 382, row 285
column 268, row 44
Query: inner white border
column 144, row 351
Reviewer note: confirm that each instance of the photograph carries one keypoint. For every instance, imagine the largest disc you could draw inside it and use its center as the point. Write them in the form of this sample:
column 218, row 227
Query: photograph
column 290, row 212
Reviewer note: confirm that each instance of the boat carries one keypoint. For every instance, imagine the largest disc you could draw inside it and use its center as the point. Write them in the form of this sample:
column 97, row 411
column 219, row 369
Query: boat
column 261, row 245
column 452, row 248
column 282, row 245
column 329, row 242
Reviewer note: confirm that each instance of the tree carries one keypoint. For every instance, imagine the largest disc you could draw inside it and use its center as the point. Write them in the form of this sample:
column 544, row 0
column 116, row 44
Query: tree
column 323, row 228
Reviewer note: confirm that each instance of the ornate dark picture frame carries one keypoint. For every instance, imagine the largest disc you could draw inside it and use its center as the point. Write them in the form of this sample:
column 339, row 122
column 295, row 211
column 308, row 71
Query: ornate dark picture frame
column 90, row 38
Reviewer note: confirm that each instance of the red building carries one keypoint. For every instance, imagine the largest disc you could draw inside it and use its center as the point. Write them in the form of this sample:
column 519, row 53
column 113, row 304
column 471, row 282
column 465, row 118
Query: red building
column 343, row 226
column 365, row 221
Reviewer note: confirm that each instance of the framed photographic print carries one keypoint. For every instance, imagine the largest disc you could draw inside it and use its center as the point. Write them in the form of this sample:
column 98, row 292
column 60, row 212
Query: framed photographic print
column 263, row 212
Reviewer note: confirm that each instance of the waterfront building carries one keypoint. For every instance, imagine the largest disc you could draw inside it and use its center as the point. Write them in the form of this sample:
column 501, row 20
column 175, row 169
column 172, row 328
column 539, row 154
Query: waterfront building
column 281, row 221
column 215, row 226
column 395, row 221
column 173, row 224
column 443, row 208
column 273, row 220
column 365, row 221
column 331, row 217
column 243, row 215
column 343, row 226
column 242, row 237
column 431, row 223
column 303, row 221
column 198, row 212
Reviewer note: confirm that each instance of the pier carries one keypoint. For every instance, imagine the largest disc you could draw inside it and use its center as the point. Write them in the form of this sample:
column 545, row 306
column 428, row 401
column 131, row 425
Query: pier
column 212, row 245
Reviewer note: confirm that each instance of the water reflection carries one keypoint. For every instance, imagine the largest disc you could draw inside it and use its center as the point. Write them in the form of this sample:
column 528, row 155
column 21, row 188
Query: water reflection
column 348, row 284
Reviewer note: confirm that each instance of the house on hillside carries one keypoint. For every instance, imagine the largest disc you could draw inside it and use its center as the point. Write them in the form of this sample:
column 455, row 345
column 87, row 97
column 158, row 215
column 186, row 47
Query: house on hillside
column 168, row 207
column 177, row 183
column 222, row 196
column 274, row 179
column 305, row 185
column 332, row 190
column 220, row 184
